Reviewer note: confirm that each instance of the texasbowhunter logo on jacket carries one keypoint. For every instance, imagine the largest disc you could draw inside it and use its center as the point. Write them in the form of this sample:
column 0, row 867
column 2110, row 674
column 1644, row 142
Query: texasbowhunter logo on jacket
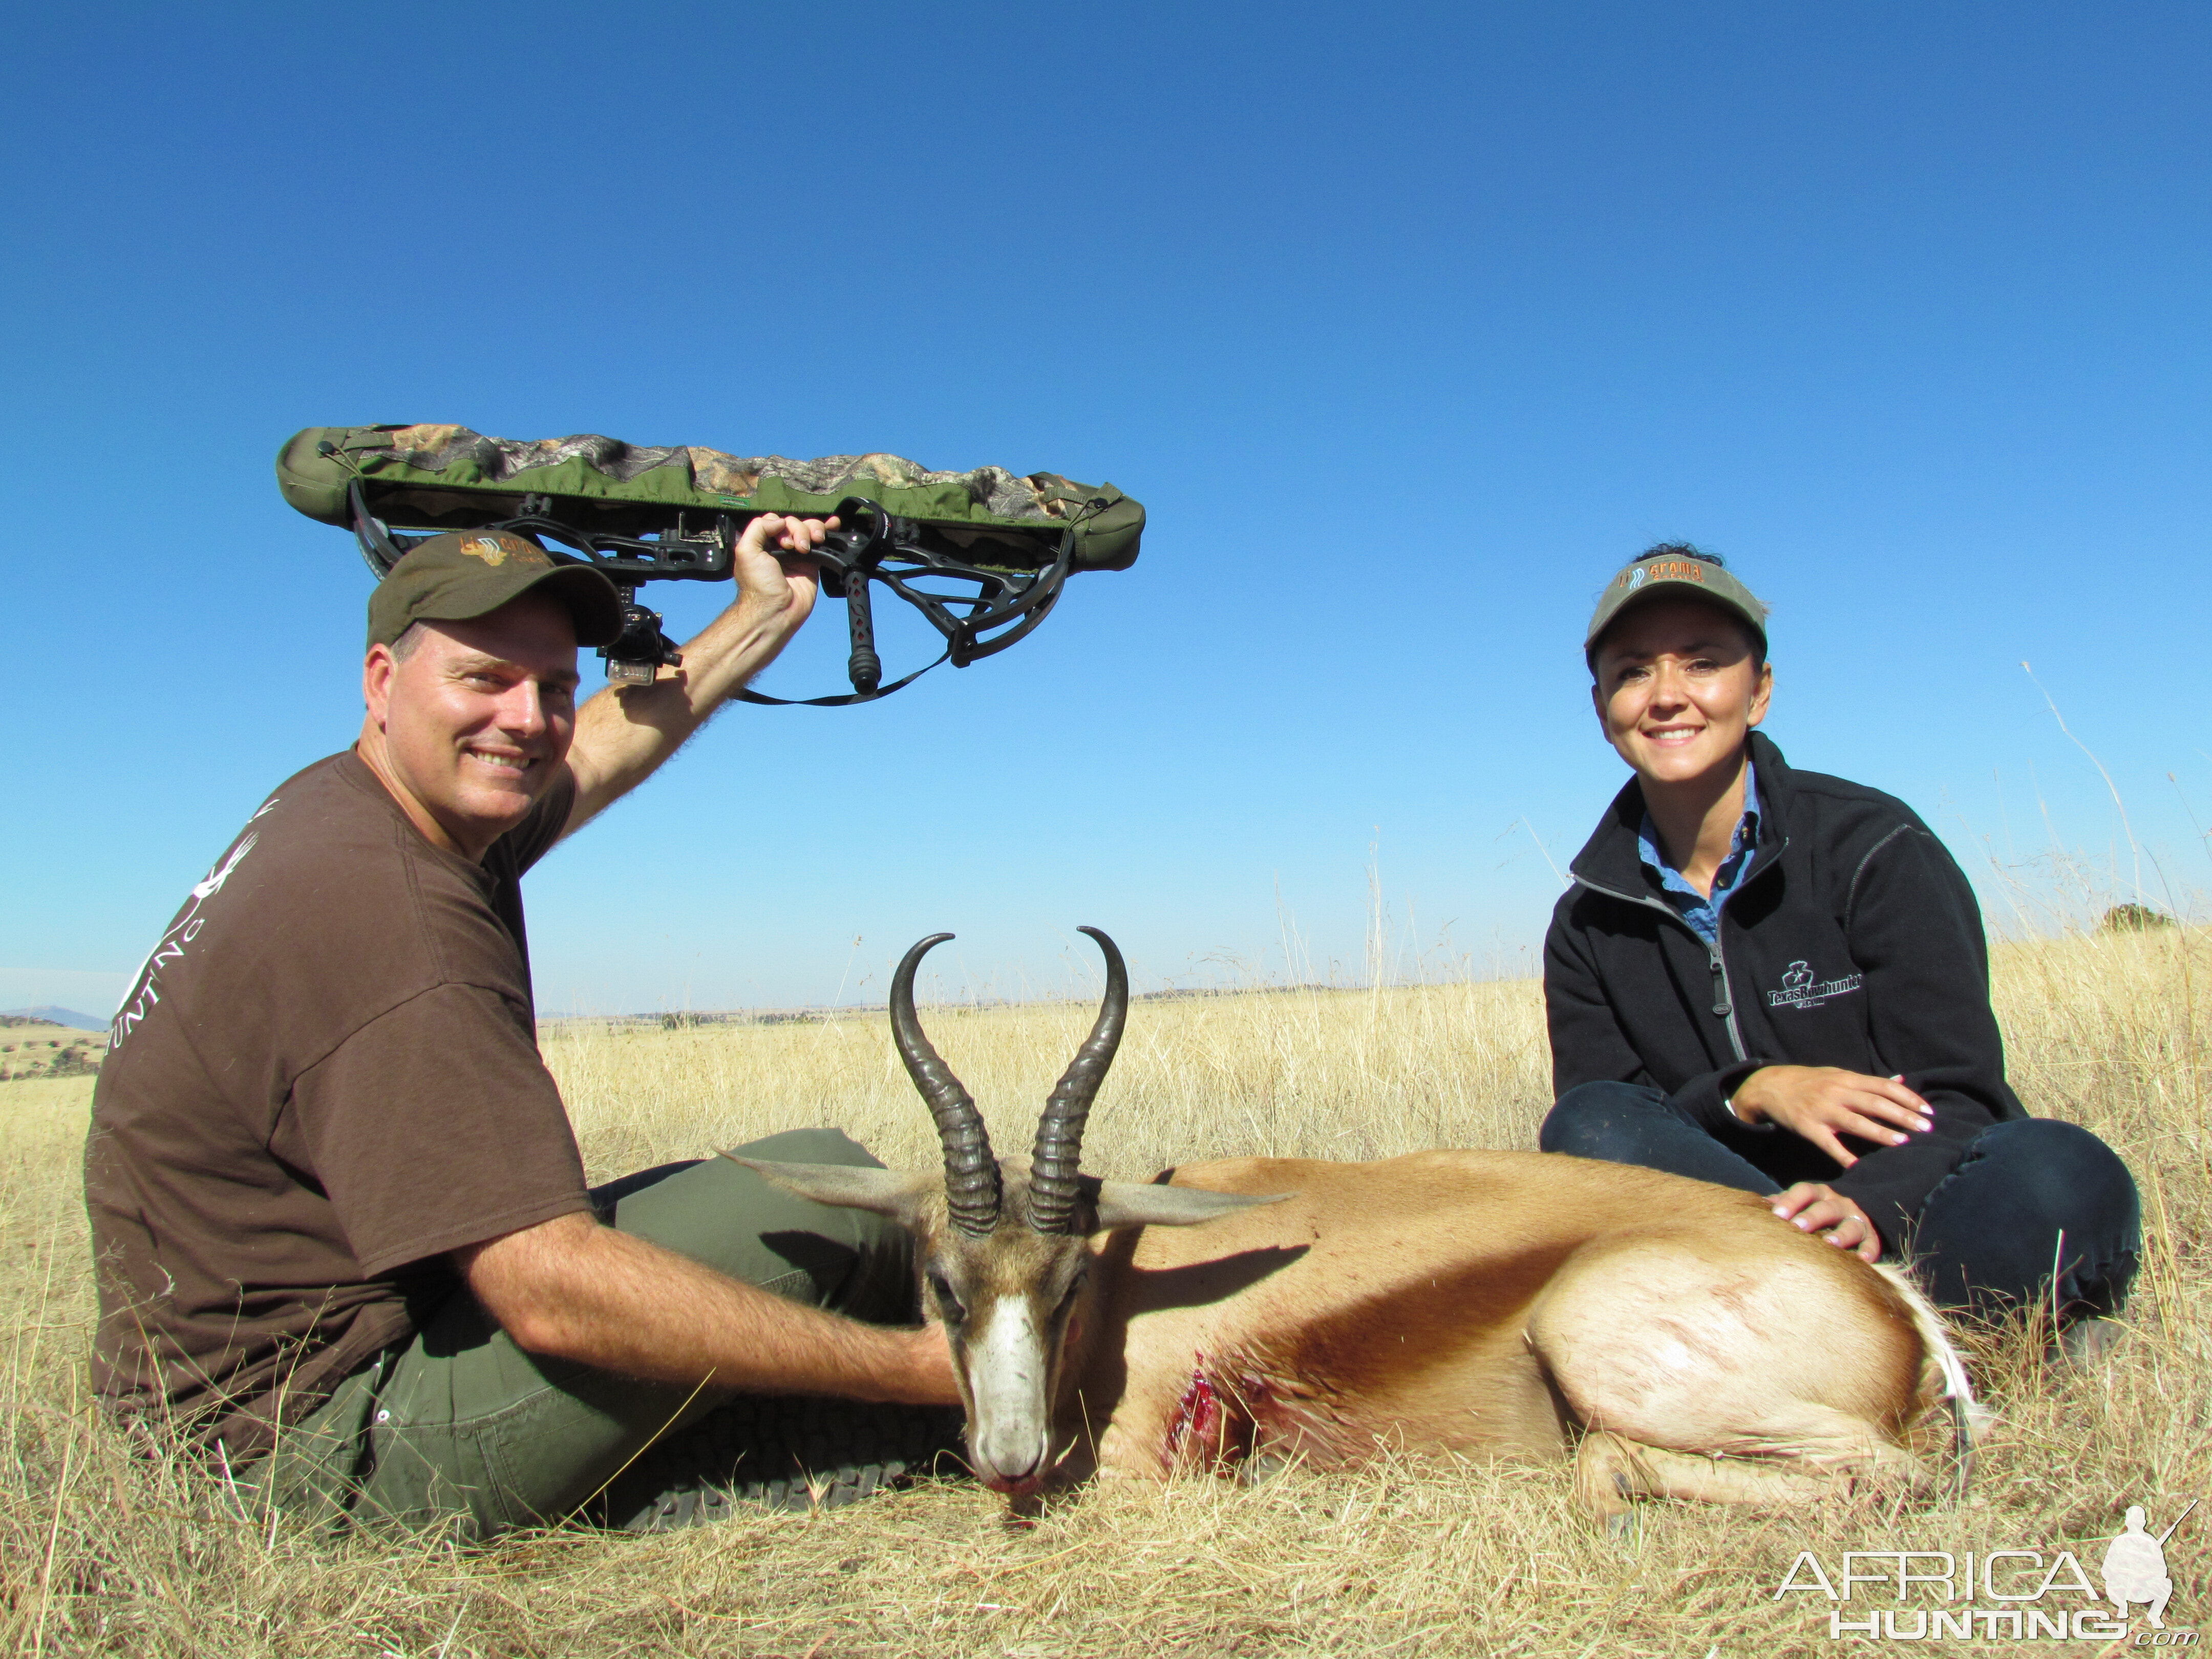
column 1803, row 989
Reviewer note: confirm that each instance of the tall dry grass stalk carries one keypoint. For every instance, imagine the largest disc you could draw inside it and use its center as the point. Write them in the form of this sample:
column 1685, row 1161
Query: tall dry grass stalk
column 101, row 1552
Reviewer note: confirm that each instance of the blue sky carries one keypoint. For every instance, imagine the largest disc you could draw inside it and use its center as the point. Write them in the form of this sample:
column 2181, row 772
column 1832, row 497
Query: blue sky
column 1407, row 325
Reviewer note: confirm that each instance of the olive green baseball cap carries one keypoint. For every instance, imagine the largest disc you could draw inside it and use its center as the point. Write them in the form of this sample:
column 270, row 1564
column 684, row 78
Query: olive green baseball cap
column 471, row 572
column 1675, row 573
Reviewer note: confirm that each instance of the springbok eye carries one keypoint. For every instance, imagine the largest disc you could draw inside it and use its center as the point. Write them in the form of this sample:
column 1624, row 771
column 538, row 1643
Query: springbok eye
column 947, row 1303
column 1074, row 1289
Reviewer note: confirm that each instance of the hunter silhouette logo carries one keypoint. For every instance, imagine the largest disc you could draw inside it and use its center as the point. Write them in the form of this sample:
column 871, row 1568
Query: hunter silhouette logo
column 2135, row 1567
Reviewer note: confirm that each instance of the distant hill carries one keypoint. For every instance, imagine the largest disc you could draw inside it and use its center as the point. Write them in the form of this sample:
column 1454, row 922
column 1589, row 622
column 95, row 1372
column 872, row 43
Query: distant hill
column 54, row 1015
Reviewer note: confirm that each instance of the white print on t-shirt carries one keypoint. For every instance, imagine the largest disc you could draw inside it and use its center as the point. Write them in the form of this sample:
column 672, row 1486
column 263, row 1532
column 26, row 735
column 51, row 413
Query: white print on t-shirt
column 1803, row 989
column 145, row 989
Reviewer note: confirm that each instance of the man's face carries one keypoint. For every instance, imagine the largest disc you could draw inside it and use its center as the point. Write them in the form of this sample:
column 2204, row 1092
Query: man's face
column 1676, row 689
column 476, row 719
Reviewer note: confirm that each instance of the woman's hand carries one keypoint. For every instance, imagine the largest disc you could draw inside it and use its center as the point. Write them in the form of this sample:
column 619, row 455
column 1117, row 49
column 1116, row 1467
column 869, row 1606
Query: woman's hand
column 1812, row 1206
column 1821, row 1101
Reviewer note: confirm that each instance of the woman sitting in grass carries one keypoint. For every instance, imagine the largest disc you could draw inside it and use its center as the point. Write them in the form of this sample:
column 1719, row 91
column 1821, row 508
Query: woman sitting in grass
column 1777, row 980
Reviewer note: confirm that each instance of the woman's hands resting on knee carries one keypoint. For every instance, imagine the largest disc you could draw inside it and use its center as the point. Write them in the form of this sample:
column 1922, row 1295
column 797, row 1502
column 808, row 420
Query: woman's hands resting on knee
column 1820, row 1103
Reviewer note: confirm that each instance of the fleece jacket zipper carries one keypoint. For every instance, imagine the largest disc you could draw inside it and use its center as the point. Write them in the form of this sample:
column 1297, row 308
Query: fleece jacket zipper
column 1724, row 998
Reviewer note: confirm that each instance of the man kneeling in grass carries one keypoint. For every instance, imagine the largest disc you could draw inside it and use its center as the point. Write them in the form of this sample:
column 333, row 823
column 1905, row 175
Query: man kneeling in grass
column 344, row 1241
column 1777, row 980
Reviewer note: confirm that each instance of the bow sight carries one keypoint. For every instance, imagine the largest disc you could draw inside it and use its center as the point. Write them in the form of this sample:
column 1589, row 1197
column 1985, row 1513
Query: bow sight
column 982, row 555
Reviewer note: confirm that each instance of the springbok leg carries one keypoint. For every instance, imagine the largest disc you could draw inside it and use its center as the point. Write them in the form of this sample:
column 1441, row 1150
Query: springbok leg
column 1754, row 1367
column 1611, row 1471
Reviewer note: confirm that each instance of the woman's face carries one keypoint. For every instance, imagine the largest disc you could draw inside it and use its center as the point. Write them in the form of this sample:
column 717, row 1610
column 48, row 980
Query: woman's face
column 1677, row 690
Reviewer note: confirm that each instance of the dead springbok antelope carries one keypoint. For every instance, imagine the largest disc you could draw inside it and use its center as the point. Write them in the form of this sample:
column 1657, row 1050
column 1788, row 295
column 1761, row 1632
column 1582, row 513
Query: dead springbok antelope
column 1485, row 1302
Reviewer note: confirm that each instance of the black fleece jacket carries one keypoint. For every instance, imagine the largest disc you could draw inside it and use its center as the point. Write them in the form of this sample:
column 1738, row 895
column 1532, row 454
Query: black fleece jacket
column 1851, row 940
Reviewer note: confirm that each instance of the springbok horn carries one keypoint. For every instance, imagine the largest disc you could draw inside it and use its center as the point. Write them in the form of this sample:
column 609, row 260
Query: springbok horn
column 971, row 1173
column 1060, row 1131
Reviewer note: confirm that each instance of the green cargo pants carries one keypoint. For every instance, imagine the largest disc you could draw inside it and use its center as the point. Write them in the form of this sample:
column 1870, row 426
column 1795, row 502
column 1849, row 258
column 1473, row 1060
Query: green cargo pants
column 460, row 1427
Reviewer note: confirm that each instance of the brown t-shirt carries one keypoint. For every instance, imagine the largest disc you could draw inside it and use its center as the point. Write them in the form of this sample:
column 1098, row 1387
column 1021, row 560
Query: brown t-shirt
column 324, row 1077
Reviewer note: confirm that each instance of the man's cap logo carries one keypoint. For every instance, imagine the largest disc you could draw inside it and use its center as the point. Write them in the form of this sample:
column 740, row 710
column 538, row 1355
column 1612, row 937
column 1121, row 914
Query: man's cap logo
column 495, row 550
column 1636, row 577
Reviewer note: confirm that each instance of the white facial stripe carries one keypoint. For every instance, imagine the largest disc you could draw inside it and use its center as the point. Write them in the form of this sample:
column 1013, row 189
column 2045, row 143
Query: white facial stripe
column 1006, row 1372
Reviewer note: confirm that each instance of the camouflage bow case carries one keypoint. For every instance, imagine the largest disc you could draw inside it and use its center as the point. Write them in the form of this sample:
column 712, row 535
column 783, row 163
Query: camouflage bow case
column 1005, row 541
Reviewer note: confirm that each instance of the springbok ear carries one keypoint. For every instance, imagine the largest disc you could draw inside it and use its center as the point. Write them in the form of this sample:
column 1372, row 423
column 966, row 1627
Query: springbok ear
column 891, row 1193
column 1135, row 1204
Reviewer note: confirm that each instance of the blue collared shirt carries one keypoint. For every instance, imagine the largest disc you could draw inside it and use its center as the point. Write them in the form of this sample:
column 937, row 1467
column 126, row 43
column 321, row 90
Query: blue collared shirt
column 1703, row 911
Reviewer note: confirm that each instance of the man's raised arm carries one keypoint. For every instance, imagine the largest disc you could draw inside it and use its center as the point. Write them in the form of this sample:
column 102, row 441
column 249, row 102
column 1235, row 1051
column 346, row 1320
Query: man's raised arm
column 624, row 733
column 575, row 1290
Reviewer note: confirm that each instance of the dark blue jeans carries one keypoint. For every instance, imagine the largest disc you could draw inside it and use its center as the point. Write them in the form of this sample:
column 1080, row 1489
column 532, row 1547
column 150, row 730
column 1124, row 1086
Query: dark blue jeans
column 1986, row 1239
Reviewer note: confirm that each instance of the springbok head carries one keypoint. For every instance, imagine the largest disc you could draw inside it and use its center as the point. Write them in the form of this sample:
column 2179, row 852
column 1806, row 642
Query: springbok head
column 1004, row 1243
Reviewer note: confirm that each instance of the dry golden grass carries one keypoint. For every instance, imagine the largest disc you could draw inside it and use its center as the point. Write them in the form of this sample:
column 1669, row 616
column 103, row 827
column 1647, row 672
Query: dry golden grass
column 99, row 1554
column 38, row 1048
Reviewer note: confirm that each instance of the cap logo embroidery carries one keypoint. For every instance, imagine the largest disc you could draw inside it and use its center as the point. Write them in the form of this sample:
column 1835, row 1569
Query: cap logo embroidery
column 495, row 550
column 1636, row 577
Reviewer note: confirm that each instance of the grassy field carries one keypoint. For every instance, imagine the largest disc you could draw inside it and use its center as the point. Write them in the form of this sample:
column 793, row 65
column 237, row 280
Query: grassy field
column 101, row 1554
column 38, row 1048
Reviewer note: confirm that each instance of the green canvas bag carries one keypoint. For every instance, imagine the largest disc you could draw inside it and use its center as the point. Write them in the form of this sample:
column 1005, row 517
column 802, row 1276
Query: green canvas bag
column 654, row 514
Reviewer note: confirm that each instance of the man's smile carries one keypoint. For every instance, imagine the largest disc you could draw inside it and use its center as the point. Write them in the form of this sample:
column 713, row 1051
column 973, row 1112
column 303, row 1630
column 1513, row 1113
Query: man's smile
column 505, row 760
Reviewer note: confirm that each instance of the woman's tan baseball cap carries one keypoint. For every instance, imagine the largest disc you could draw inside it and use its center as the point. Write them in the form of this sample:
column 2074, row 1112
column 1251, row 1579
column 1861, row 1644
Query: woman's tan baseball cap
column 471, row 572
column 1678, row 573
